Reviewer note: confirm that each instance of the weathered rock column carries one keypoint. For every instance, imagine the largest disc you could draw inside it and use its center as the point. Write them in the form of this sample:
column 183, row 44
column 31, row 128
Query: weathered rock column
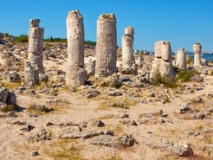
column 76, row 74
column 163, row 61
column 31, row 73
column 157, row 59
column 127, row 48
column 36, row 44
column 197, row 54
column 166, row 68
column 90, row 67
column 106, row 46
column 181, row 59
column 140, row 60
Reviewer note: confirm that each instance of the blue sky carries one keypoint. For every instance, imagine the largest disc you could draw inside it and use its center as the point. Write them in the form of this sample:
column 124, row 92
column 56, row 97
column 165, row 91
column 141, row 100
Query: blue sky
column 182, row 22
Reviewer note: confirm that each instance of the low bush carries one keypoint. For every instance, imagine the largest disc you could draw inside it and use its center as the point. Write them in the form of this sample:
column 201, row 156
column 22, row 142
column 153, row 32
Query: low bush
column 158, row 79
column 185, row 75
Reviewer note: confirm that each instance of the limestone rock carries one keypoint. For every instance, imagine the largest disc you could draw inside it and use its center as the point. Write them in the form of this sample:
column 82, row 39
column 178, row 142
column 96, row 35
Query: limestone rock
column 7, row 100
column 181, row 59
column 90, row 67
column 127, row 48
column 163, row 61
column 106, row 45
column 31, row 74
column 197, row 54
column 12, row 77
column 35, row 47
column 40, row 135
column 76, row 74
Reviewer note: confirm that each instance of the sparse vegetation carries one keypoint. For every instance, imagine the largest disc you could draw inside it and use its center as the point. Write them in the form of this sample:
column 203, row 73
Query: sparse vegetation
column 185, row 75
column 6, row 35
column 158, row 79
column 8, row 108
column 21, row 39
column 211, row 73
column 65, row 149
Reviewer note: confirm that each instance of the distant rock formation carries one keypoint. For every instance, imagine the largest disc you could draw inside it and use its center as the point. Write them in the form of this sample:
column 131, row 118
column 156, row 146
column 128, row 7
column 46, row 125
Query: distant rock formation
column 197, row 48
column 181, row 59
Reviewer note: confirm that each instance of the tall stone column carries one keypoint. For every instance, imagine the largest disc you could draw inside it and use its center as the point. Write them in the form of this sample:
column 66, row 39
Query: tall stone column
column 127, row 48
column 140, row 60
column 157, row 59
column 76, row 74
column 163, row 61
column 35, row 45
column 106, row 46
column 197, row 54
column 181, row 59
column 166, row 68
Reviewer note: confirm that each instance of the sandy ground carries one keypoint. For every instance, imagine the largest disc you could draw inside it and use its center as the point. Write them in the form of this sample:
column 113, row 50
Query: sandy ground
column 76, row 108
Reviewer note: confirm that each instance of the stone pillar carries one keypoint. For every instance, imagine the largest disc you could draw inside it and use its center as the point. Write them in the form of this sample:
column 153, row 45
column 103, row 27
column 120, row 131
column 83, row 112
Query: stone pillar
column 197, row 54
column 31, row 73
column 76, row 74
column 163, row 61
column 127, row 48
column 140, row 61
column 166, row 68
column 181, row 59
column 35, row 47
column 106, row 46
column 90, row 67
column 157, row 59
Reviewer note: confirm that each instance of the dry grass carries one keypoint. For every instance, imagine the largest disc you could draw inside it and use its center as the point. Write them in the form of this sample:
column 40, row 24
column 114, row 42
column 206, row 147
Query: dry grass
column 10, row 86
column 64, row 149
column 116, row 102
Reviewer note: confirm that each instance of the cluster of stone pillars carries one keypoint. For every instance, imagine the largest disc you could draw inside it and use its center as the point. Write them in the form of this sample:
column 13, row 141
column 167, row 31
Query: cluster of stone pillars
column 106, row 48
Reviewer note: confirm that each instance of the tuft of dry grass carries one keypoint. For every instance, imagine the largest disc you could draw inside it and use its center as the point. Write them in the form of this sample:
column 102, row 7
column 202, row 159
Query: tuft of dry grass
column 64, row 149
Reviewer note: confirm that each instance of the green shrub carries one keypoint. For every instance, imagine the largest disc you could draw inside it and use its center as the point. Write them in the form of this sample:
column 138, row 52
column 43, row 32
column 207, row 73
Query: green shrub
column 21, row 39
column 6, row 35
column 90, row 43
column 185, row 75
column 158, row 79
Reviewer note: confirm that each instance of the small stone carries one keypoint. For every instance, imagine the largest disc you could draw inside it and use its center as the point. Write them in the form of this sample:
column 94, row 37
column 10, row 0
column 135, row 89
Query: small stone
column 98, row 123
column 49, row 124
column 34, row 153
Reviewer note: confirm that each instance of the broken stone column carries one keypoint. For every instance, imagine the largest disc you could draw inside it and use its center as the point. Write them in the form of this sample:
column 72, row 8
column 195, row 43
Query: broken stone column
column 181, row 59
column 166, row 68
column 197, row 54
column 31, row 73
column 127, row 48
column 163, row 61
column 106, row 46
column 35, row 47
column 76, row 74
column 157, row 59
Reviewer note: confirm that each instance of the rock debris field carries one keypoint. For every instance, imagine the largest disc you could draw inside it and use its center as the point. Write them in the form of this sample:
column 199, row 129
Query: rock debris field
column 77, row 102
